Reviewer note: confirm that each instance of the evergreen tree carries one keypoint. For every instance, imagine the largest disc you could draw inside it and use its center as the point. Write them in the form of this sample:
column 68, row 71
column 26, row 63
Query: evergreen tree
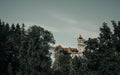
column 102, row 53
column 24, row 52
column 91, row 52
column 16, row 47
column 4, row 52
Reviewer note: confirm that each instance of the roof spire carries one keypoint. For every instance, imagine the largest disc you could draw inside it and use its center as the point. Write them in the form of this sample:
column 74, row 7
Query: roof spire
column 80, row 37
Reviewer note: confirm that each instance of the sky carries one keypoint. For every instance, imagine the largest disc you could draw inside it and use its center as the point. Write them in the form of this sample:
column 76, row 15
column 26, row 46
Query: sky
column 66, row 19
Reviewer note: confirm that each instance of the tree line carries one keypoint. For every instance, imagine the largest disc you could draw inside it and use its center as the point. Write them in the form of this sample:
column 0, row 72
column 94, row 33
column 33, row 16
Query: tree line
column 103, row 52
column 26, row 52
column 101, row 55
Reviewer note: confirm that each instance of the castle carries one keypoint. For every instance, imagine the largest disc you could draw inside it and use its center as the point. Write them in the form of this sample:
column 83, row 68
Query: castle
column 75, row 51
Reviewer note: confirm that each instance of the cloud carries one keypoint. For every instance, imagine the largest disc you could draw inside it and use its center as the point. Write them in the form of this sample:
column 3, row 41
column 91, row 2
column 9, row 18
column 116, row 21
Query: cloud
column 77, row 31
column 63, row 18
column 79, row 23
column 52, row 29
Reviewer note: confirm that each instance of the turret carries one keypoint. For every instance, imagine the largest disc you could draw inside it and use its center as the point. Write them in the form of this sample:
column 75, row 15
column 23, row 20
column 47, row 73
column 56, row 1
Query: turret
column 80, row 45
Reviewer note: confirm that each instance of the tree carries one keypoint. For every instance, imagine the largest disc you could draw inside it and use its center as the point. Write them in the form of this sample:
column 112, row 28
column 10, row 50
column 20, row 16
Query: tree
column 78, row 66
column 25, row 52
column 91, row 54
column 102, row 53
column 15, row 47
column 4, row 29
column 36, row 59
column 62, row 61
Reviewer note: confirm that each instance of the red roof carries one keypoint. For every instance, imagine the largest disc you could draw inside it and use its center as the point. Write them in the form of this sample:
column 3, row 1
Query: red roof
column 67, row 49
column 80, row 37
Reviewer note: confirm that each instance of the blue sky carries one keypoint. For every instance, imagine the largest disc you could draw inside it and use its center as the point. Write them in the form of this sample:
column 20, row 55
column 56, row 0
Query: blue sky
column 66, row 19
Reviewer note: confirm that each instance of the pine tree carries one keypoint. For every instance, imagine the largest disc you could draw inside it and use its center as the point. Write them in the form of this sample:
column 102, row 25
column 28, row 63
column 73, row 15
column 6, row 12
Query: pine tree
column 102, row 53
column 4, row 52
column 25, row 52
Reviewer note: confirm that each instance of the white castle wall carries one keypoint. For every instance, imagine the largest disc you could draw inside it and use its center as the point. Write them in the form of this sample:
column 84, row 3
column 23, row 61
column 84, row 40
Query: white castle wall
column 80, row 47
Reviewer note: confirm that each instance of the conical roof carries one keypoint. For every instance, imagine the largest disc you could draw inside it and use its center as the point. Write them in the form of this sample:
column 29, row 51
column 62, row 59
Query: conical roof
column 80, row 37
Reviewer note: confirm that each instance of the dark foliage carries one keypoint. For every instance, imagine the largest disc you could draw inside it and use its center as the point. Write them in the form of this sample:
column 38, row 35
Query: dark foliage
column 24, row 52
column 102, row 53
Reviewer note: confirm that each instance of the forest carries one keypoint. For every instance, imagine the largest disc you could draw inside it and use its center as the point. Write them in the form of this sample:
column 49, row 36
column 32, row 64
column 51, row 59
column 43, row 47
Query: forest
column 26, row 52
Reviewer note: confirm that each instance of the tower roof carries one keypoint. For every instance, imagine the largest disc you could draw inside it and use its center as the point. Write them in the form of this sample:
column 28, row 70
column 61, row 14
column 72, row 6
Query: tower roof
column 80, row 37
column 59, row 46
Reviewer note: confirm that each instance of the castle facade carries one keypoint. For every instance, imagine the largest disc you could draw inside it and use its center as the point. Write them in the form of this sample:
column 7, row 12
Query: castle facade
column 75, row 51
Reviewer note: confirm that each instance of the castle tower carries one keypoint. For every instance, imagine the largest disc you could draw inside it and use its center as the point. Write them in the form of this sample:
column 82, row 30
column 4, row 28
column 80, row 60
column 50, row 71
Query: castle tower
column 80, row 45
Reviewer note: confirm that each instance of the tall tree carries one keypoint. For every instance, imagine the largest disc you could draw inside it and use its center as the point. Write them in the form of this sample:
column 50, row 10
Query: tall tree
column 101, row 52
column 37, row 59
column 4, row 48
